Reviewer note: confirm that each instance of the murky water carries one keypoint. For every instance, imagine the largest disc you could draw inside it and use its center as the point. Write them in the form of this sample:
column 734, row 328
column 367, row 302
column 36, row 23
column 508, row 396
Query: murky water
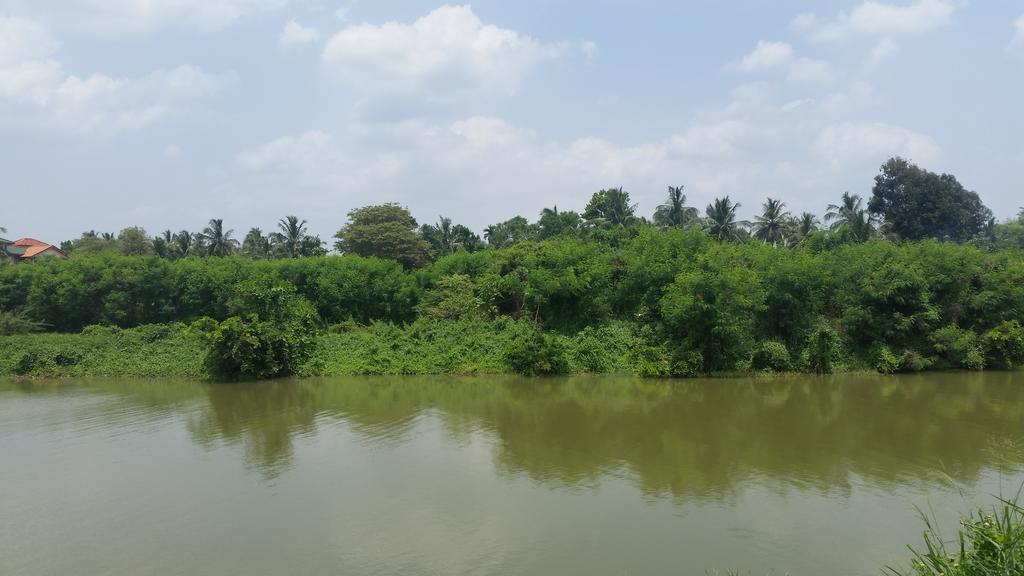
column 594, row 475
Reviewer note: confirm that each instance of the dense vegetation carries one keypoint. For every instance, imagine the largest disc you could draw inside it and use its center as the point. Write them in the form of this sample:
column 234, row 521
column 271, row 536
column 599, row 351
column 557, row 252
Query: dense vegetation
column 605, row 290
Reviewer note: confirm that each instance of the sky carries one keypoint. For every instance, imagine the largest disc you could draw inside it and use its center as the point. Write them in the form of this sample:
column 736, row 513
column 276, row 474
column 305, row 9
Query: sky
column 167, row 113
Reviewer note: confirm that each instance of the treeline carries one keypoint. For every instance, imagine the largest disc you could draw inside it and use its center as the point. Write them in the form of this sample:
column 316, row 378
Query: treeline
column 907, row 203
column 880, row 286
column 697, row 304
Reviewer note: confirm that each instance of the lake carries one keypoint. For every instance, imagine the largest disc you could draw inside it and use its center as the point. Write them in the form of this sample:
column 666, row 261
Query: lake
column 496, row 475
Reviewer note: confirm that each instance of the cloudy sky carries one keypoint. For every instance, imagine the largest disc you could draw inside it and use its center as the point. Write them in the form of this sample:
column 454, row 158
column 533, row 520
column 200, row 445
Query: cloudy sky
column 166, row 113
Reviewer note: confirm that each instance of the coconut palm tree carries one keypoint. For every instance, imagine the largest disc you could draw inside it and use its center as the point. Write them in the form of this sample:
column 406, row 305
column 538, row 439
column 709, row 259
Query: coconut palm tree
column 610, row 208
column 807, row 224
column 182, row 244
column 720, row 220
column 770, row 226
column 109, row 236
column 255, row 244
column 674, row 213
column 850, row 214
column 217, row 240
column 290, row 237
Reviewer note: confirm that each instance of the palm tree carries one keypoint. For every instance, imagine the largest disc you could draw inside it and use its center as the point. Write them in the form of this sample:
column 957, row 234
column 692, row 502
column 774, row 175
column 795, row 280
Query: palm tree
column 109, row 236
column 291, row 234
column 610, row 207
column 850, row 214
column 674, row 213
column 217, row 241
column 721, row 222
column 256, row 244
column 807, row 224
column 182, row 244
column 770, row 226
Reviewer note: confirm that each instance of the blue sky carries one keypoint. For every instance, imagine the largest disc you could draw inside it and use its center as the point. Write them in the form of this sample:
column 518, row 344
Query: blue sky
column 165, row 114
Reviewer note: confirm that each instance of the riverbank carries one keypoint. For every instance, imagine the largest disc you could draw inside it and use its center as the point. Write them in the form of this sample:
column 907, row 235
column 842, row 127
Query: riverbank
column 503, row 346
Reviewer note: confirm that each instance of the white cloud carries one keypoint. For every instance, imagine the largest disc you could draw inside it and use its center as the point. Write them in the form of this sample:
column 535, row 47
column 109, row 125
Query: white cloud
column 295, row 33
column 589, row 49
column 147, row 15
column 771, row 56
column 878, row 19
column 34, row 84
column 448, row 50
column 858, row 142
column 766, row 56
column 883, row 50
column 1017, row 44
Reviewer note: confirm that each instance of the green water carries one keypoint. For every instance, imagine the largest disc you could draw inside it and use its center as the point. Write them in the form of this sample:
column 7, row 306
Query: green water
column 595, row 475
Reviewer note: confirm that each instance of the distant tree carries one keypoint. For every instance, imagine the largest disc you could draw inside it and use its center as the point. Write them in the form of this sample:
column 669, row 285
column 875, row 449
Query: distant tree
column 256, row 244
column 915, row 203
column 447, row 238
column 807, row 224
column 312, row 246
column 289, row 239
column 770, row 225
column 674, row 213
column 850, row 215
column 216, row 240
column 386, row 231
column 162, row 244
column 108, row 236
column 134, row 242
column 93, row 243
column 182, row 244
column 610, row 207
column 509, row 232
column 720, row 220
column 553, row 223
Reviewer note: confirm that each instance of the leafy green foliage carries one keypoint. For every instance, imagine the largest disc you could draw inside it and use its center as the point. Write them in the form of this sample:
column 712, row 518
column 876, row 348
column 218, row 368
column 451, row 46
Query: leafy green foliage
column 272, row 335
column 1005, row 344
column 958, row 347
column 384, row 231
column 918, row 204
column 17, row 322
column 771, row 356
column 534, row 353
column 824, row 350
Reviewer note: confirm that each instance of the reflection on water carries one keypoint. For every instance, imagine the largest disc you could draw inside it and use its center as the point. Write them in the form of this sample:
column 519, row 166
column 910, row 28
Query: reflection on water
column 450, row 475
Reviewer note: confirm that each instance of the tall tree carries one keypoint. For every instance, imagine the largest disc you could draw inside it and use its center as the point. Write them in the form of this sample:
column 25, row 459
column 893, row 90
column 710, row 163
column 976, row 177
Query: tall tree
column 290, row 236
column 440, row 236
column 509, row 232
column 134, row 242
column 915, row 203
column 216, row 240
column 182, row 244
column 553, row 223
column 609, row 208
column 850, row 215
column 720, row 220
column 674, row 213
column 770, row 225
column 256, row 244
column 385, row 231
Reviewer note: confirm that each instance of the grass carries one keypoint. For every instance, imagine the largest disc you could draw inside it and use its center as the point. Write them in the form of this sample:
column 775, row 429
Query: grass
column 989, row 543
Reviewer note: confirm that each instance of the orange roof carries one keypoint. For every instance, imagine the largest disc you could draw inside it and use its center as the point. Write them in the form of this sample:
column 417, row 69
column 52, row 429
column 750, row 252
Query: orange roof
column 29, row 242
column 36, row 250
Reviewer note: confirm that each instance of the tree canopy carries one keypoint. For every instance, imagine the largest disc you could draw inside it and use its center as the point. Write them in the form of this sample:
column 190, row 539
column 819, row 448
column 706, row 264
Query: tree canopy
column 383, row 231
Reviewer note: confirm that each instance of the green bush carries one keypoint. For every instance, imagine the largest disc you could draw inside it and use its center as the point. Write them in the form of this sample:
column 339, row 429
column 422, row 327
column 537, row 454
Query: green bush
column 771, row 356
column 883, row 360
column 958, row 348
column 273, row 334
column 911, row 361
column 687, row 364
column 823, row 351
column 12, row 323
column 535, row 353
column 1004, row 344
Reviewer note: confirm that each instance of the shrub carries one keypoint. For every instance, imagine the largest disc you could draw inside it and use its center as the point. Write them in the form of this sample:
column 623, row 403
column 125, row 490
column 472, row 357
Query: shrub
column 823, row 350
column 911, row 361
column 535, row 353
column 273, row 333
column 29, row 363
column 454, row 298
column 958, row 347
column 12, row 323
column 883, row 360
column 1004, row 344
column 771, row 356
column 687, row 364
